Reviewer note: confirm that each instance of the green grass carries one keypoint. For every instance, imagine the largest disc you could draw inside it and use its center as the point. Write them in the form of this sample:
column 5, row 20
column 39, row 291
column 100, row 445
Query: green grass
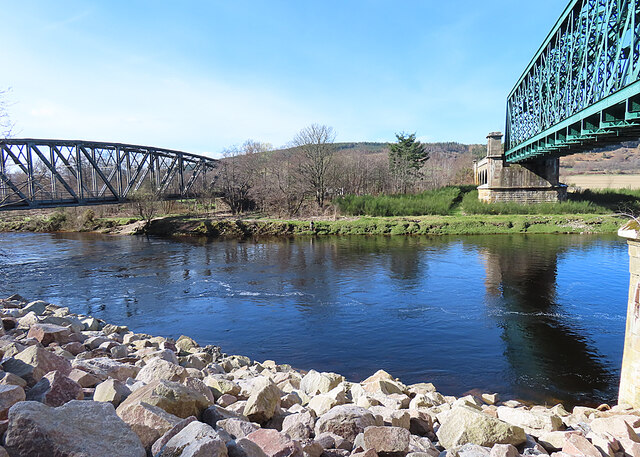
column 440, row 201
column 585, row 202
column 619, row 200
column 419, row 225
column 471, row 205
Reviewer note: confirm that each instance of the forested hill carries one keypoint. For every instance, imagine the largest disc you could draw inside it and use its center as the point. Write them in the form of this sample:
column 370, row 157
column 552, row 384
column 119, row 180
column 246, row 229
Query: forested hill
column 449, row 148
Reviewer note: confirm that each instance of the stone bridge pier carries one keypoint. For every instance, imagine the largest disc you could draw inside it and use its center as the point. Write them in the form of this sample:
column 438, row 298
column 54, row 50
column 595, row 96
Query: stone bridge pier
column 630, row 376
column 528, row 182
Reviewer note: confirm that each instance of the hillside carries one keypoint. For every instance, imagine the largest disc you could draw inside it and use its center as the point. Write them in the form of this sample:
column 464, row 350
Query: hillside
column 624, row 159
column 448, row 148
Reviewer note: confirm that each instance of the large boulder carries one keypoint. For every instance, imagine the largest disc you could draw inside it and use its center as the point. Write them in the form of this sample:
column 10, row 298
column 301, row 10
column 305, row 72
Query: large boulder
column 34, row 362
column 615, row 426
column 576, row 444
column 164, row 439
column 464, row 424
column 314, row 383
column 346, row 421
column 237, row 428
column 78, row 428
column 299, row 426
column 263, row 402
column 173, row 397
column 392, row 417
column 275, row 444
column 387, row 441
column 104, row 368
column 55, row 389
column 221, row 386
column 244, row 447
column 533, row 422
column 195, row 440
column 186, row 343
column 322, row 403
column 37, row 307
column 147, row 421
column 48, row 333
column 157, row 369
column 9, row 396
column 216, row 413
column 111, row 390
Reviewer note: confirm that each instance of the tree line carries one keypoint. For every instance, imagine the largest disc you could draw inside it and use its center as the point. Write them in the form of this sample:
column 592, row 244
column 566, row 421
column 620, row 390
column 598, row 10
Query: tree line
column 304, row 177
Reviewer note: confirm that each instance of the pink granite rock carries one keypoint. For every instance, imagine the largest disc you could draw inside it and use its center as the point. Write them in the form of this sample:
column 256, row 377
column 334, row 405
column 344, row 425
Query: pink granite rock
column 48, row 333
column 34, row 362
column 55, row 389
column 275, row 444
column 9, row 396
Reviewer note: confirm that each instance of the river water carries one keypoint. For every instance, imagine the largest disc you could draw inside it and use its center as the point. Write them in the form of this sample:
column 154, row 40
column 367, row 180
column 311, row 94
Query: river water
column 535, row 317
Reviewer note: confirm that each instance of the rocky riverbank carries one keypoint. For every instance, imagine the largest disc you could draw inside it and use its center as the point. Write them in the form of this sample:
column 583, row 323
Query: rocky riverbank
column 76, row 386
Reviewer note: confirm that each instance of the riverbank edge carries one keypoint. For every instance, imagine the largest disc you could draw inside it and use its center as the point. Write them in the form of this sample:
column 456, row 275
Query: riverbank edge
column 272, row 403
column 228, row 228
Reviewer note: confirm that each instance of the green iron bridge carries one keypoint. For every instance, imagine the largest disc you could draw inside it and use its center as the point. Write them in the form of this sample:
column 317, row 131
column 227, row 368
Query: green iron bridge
column 581, row 91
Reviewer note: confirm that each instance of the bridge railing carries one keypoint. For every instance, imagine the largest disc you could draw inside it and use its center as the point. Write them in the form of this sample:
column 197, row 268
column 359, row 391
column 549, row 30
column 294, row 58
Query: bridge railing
column 582, row 88
column 36, row 173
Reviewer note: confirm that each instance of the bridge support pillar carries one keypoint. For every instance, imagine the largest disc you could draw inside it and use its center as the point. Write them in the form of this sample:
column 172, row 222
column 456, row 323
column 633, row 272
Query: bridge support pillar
column 533, row 182
column 630, row 375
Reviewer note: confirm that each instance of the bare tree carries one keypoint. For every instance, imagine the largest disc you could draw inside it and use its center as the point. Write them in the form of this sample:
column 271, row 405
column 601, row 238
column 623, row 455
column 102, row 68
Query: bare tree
column 283, row 192
column 6, row 126
column 315, row 145
column 236, row 174
column 147, row 203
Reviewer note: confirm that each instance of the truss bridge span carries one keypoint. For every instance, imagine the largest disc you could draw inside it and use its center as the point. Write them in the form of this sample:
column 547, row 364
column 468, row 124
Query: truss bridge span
column 41, row 173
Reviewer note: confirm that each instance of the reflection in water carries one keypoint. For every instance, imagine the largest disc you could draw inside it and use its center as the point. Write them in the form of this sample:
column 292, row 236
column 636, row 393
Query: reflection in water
column 535, row 317
column 549, row 354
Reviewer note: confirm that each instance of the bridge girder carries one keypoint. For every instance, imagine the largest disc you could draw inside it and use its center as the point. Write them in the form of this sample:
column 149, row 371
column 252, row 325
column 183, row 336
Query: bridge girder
column 582, row 88
column 40, row 173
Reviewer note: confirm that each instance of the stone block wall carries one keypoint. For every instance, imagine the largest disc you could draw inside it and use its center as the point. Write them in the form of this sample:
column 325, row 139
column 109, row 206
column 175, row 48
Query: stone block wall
column 522, row 195
column 630, row 375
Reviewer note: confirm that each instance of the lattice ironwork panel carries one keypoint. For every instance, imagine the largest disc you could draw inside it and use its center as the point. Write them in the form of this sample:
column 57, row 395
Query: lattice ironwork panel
column 38, row 173
column 581, row 88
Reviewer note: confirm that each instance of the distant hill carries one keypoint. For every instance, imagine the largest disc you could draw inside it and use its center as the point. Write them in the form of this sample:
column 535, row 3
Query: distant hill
column 624, row 158
column 366, row 147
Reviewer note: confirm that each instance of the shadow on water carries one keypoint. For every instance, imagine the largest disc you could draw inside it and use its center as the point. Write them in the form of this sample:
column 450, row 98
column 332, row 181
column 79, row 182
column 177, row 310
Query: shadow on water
column 551, row 356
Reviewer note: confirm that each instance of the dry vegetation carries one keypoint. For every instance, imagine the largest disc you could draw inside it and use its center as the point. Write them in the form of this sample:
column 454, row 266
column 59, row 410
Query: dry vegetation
column 624, row 159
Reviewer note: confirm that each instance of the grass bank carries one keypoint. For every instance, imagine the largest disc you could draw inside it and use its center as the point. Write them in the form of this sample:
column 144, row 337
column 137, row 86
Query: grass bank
column 423, row 225
column 365, row 225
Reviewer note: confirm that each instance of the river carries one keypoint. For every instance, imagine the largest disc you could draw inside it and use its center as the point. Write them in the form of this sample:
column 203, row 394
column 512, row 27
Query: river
column 535, row 317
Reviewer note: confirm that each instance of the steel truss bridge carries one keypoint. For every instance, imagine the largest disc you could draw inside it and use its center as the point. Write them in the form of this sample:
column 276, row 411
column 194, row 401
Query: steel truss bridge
column 581, row 91
column 36, row 173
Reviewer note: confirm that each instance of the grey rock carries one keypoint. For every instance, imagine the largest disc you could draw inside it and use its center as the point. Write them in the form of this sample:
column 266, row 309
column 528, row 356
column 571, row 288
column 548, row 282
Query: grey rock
column 78, row 428
column 195, row 440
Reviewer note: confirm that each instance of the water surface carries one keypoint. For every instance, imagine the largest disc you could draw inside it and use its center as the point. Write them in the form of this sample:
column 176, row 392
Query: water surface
column 539, row 317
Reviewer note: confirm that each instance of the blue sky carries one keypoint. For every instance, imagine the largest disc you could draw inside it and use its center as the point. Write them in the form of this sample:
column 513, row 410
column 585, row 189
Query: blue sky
column 201, row 76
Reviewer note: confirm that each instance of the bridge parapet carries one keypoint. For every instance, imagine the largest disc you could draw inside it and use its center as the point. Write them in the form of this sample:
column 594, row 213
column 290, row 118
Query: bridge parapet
column 39, row 173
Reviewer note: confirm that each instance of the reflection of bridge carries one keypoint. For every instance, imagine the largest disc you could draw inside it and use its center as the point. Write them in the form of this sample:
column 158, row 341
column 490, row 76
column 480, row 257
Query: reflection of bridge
column 550, row 356
column 37, row 173
column 580, row 91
